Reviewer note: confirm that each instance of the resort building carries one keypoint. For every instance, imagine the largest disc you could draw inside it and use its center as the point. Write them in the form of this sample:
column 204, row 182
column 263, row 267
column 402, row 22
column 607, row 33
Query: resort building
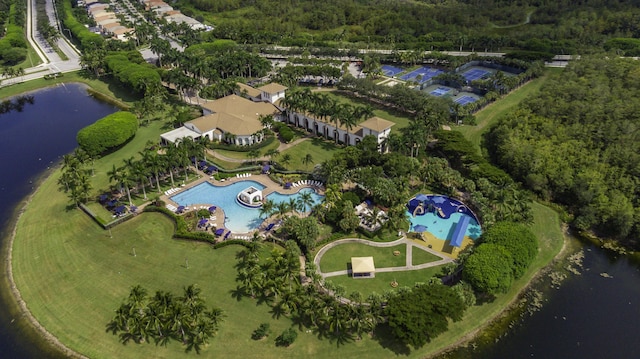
column 235, row 119
column 374, row 126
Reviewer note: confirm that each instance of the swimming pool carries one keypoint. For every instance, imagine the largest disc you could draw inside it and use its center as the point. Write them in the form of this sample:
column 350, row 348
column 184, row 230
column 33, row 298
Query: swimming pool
column 239, row 219
column 442, row 228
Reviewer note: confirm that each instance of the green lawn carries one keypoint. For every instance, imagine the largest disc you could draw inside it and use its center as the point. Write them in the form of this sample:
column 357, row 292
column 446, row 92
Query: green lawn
column 492, row 113
column 243, row 155
column 339, row 257
column 420, row 256
column 382, row 282
column 401, row 120
column 320, row 149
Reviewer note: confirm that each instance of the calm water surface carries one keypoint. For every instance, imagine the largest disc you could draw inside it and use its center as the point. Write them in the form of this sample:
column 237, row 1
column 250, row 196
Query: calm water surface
column 30, row 142
column 589, row 317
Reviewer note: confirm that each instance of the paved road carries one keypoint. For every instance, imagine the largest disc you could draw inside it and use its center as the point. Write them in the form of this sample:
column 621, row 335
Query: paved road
column 52, row 62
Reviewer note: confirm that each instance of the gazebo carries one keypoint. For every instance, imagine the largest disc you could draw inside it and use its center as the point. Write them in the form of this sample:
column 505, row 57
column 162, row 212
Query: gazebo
column 362, row 267
column 251, row 197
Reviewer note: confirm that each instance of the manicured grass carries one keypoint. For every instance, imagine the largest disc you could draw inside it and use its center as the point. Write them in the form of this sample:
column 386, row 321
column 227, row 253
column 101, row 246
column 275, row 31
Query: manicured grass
column 320, row 149
column 420, row 256
column 243, row 155
column 399, row 119
column 339, row 257
column 492, row 113
column 382, row 281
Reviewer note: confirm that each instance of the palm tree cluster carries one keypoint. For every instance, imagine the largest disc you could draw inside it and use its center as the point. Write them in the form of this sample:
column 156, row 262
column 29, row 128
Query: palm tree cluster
column 75, row 178
column 10, row 72
column 164, row 317
column 276, row 281
column 154, row 166
column 326, row 109
column 303, row 203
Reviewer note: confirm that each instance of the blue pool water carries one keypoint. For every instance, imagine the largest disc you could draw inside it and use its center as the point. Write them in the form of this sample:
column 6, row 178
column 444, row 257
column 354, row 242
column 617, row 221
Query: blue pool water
column 239, row 219
column 443, row 228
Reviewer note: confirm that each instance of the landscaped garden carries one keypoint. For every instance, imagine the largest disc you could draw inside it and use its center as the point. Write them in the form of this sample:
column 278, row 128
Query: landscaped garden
column 339, row 257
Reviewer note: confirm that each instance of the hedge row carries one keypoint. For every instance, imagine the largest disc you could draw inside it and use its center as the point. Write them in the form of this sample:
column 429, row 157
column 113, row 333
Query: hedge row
column 108, row 133
column 86, row 38
column 130, row 69
column 13, row 46
column 286, row 133
column 182, row 231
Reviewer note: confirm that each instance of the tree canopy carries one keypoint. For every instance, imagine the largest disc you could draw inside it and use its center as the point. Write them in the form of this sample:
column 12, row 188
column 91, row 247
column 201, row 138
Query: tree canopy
column 489, row 269
column 516, row 238
column 421, row 314
column 577, row 143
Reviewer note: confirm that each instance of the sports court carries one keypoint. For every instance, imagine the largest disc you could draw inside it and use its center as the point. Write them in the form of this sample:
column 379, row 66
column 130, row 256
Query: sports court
column 425, row 73
column 464, row 99
column 477, row 73
column 440, row 91
column 391, row 71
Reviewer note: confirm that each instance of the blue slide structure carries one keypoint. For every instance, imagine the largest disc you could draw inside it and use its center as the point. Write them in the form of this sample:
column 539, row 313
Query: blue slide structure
column 458, row 233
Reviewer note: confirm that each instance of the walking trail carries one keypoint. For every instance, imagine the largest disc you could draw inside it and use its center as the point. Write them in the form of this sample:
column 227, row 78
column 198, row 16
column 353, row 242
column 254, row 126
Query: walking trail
column 409, row 255
column 282, row 147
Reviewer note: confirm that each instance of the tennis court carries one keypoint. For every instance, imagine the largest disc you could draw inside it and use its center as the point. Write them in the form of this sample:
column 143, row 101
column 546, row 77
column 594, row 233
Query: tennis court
column 426, row 73
column 390, row 71
column 463, row 100
column 475, row 74
column 440, row 91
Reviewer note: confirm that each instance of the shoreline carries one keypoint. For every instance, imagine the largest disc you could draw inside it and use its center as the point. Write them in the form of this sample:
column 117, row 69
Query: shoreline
column 15, row 301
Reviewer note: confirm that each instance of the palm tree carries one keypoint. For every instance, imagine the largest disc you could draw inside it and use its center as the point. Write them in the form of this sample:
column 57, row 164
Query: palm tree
column 253, row 154
column 307, row 159
column 267, row 208
column 285, row 159
column 305, row 200
column 272, row 153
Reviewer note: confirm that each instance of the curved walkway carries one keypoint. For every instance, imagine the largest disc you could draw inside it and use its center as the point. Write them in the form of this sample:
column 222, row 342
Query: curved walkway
column 282, row 147
column 409, row 255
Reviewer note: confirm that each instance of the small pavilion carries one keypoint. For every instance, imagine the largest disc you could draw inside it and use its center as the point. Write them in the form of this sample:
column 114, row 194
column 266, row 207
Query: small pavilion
column 363, row 267
column 251, row 196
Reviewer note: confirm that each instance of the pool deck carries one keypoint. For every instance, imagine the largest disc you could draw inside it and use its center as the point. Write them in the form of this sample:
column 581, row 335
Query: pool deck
column 218, row 217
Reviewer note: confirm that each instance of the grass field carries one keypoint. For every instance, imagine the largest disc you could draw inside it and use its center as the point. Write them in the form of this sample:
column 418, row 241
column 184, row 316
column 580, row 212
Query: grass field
column 492, row 113
column 339, row 257
column 382, row 281
column 321, row 150
column 421, row 257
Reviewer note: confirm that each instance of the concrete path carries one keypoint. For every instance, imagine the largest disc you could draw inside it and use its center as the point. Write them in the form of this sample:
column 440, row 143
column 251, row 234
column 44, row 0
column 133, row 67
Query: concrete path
column 282, row 147
column 409, row 255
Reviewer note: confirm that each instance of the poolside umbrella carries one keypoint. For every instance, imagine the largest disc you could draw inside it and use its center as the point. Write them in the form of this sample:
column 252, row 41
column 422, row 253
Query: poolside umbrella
column 112, row 203
column 202, row 222
column 120, row 209
column 212, row 208
column 422, row 197
column 103, row 198
column 438, row 199
column 266, row 168
column 133, row 208
column 419, row 228
column 180, row 209
column 287, row 185
column 212, row 169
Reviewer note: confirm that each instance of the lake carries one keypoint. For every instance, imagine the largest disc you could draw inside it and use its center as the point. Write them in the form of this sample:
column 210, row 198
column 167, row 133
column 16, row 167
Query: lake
column 590, row 316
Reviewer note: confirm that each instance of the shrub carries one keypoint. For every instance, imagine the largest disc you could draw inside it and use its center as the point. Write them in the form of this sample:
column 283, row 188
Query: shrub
column 287, row 337
column 108, row 133
column 489, row 269
column 261, row 332
column 516, row 238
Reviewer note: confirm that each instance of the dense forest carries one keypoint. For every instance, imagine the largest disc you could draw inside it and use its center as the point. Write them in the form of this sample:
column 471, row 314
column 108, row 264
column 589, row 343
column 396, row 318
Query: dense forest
column 578, row 143
column 494, row 25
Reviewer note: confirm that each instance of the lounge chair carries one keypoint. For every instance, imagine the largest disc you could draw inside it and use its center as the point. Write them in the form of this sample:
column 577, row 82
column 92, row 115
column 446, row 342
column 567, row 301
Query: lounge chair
column 219, row 231
column 270, row 226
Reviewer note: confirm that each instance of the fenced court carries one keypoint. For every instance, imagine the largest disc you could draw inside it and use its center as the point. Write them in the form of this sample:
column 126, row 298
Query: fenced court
column 463, row 100
column 477, row 73
column 390, row 71
column 440, row 91
column 425, row 73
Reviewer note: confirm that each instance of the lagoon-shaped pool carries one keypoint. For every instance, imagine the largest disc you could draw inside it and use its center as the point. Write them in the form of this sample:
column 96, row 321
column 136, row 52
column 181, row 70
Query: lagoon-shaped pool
column 239, row 219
